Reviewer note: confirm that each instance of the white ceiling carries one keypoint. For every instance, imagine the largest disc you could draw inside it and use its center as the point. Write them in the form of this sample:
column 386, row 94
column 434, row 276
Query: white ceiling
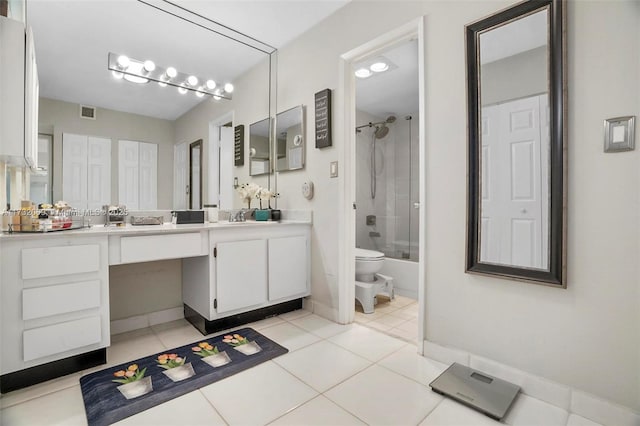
column 394, row 91
column 516, row 37
column 73, row 39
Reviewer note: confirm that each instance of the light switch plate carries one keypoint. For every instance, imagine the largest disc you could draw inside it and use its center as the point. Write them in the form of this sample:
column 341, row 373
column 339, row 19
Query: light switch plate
column 333, row 169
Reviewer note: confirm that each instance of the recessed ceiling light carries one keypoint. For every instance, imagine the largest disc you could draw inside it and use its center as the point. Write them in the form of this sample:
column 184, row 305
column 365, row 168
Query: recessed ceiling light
column 379, row 67
column 363, row 73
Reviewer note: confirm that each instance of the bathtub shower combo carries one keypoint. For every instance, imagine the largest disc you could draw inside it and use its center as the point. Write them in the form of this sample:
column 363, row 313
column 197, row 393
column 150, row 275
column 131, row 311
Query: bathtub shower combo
column 387, row 208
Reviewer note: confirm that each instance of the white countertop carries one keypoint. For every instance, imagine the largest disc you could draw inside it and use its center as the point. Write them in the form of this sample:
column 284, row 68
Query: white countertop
column 169, row 228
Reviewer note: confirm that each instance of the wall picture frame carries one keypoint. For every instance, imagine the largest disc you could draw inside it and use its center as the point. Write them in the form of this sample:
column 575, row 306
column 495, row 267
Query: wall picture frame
column 619, row 134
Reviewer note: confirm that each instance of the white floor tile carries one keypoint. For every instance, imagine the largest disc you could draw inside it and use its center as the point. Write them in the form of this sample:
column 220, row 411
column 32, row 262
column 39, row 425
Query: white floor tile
column 63, row 408
column 322, row 365
column 370, row 344
column 191, row 409
column 401, row 301
column 41, row 389
column 576, row 420
column 390, row 320
column 599, row 410
column 528, row 411
column 412, row 365
column 318, row 412
column 407, row 313
column 450, row 413
column 258, row 395
column 381, row 397
column 364, row 318
column 267, row 322
column 177, row 333
column 290, row 336
column 295, row 314
column 131, row 346
column 320, row 326
column 377, row 326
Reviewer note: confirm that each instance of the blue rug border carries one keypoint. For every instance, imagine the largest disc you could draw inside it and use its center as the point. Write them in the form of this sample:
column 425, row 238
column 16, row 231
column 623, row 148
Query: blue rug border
column 104, row 404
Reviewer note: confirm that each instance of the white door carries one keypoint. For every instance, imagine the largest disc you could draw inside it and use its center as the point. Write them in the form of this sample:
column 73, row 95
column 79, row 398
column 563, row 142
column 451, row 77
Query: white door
column 180, row 176
column 226, row 168
column 241, row 274
column 74, row 170
column 98, row 172
column 128, row 175
column 512, row 199
column 148, row 177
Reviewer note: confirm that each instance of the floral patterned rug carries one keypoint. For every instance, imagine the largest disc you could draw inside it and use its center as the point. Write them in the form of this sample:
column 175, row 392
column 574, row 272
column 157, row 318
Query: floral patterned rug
column 121, row 391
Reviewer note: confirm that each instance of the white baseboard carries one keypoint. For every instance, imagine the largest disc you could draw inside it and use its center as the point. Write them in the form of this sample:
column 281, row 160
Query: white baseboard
column 573, row 400
column 146, row 320
column 321, row 309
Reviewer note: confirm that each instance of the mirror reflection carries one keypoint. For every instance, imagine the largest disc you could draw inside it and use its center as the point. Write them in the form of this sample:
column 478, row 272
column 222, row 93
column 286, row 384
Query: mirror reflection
column 517, row 203
column 290, row 141
column 515, row 143
column 81, row 96
column 259, row 163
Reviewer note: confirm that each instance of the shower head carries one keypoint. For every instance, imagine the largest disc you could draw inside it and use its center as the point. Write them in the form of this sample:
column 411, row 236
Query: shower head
column 391, row 119
column 381, row 131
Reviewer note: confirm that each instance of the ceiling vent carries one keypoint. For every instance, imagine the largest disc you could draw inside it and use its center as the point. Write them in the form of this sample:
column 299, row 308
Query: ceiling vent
column 88, row 112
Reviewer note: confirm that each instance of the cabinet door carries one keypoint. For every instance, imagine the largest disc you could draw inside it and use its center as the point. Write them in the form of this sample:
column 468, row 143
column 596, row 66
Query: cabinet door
column 288, row 269
column 98, row 172
column 74, row 170
column 241, row 274
column 128, row 182
column 148, row 164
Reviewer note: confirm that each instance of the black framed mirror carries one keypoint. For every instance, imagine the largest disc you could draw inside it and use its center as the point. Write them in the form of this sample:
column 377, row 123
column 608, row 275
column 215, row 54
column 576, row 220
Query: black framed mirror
column 516, row 89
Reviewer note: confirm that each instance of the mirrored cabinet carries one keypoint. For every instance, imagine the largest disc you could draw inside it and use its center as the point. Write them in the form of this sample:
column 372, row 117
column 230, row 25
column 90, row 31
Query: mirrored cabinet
column 259, row 148
column 290, row 140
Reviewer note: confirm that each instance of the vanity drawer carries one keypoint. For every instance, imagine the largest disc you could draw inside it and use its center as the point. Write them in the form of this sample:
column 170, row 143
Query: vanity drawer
column 158, row 247
column 55, row 261
column 60, row 299
column 63, row 337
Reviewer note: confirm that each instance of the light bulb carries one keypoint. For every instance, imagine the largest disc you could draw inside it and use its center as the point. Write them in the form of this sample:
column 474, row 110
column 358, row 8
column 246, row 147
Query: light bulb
column 217, row 98
column 199, row 93
column 149, row 66
column 171, row 72
column 192, row 80
column 228, row 87
column 123, row 61
column 379, row 67
column 162, row 84
column 363, row 73
column 117, row 74
column 182, row 90
column 211, row 84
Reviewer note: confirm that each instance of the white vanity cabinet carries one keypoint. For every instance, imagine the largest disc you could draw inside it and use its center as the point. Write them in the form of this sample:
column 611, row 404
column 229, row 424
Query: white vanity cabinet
column 55, row 299
column 249, row 267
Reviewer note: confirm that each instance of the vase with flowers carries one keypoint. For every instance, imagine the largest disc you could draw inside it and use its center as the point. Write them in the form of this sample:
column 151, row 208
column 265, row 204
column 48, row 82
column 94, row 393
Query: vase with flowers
column 248, row 192
column 211, row 355
column 242, row 344
column 134, row 383
column 175, row 367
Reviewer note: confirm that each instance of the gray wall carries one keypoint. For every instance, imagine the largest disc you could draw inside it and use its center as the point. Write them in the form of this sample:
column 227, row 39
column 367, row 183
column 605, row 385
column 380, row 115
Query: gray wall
column 58, row 117
column 498, row 84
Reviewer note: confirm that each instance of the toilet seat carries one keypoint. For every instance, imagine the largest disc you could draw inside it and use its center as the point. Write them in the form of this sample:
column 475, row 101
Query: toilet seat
column 368, row 255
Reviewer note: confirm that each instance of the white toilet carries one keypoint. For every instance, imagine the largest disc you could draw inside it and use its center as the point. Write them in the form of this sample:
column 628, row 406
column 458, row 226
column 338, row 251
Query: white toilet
column 368, row 281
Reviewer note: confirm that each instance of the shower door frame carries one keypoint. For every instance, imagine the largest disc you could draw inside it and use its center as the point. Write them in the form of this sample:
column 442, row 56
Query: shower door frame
column 346, row 107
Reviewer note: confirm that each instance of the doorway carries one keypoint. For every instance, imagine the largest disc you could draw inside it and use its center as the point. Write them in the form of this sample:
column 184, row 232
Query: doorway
column 221, row 160
column 400, row 198
column 195, row 175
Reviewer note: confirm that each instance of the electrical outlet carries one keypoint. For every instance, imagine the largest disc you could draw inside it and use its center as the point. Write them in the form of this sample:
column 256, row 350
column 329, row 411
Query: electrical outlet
column 333, row 169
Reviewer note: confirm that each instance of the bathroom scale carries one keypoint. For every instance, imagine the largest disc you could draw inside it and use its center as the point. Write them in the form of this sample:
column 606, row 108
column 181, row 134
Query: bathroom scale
column 484, row 393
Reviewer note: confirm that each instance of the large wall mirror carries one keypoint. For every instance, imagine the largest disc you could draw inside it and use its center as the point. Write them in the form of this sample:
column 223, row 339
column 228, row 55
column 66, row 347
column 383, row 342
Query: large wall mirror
column 259, row 148
column 290, row 141
column 517, row 143
column 80, row 95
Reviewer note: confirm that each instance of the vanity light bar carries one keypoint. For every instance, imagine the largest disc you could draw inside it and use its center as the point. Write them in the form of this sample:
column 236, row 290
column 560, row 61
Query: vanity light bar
column 143, row 71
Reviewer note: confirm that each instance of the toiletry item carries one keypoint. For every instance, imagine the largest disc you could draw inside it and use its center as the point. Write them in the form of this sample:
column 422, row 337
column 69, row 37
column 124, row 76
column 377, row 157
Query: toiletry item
column 263, row 215
column 275, row 215
column 212, row 212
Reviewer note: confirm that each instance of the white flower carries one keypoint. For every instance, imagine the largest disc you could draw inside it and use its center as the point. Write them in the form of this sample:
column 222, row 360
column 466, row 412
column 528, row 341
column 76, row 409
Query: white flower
column 266, row 194
column 248, row 191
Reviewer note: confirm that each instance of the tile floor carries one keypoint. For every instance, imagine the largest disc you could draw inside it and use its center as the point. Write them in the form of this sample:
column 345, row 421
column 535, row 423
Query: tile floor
column 333, row 375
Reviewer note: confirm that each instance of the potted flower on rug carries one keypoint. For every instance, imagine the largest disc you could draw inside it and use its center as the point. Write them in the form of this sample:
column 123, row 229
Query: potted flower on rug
column 211, row 355
column 134, row 384
column 241, row 344
column 175, row 367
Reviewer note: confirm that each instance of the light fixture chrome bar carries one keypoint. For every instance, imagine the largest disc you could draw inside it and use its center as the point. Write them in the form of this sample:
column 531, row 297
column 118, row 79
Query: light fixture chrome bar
column 209, row 24
column 166, row 76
